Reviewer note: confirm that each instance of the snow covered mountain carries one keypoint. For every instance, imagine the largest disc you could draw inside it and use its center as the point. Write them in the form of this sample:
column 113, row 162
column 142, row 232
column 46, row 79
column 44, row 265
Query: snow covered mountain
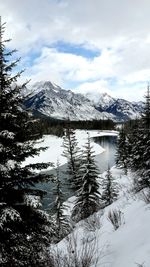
column 104, row 101
column 53, row 101
column 122, row 109
column 125, row 110
column 50, row 100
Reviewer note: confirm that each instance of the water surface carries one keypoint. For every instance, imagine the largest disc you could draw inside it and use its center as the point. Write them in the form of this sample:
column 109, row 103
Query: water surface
column 103, row 160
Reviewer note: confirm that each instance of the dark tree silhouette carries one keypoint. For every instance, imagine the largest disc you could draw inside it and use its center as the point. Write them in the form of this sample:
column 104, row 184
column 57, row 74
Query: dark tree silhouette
column 24, row 227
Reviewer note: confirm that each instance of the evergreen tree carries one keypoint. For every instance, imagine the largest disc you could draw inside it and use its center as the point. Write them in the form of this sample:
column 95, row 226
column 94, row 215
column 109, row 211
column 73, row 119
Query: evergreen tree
column 131, row 140
column 136, row 153
column 110, row 191
column 61, row 220
column 73, row 155
column 24, row 227
column 146, row 113
column 144, row 143
column 122, row 151
column 139, row 142
column 88, row 197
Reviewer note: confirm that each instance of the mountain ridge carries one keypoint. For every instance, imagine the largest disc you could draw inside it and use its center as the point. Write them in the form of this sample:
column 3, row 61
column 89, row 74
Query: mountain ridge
column 52, row 101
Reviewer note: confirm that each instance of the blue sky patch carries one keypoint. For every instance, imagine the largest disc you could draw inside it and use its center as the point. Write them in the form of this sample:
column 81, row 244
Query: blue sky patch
column 74, row 49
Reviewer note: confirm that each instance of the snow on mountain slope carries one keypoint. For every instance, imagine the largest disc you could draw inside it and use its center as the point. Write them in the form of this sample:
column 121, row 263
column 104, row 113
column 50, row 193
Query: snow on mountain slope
column 106, row 100
column 53, row 101
column 101, row 100
column 124, row 109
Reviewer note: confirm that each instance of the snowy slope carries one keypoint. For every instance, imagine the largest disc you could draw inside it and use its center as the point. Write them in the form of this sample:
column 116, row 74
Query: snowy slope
column 129, row 245
column 53, row 101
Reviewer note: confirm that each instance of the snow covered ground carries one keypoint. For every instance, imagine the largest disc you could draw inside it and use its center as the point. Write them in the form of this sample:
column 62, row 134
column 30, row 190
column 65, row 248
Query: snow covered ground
column 129, row 245
column 55, row 146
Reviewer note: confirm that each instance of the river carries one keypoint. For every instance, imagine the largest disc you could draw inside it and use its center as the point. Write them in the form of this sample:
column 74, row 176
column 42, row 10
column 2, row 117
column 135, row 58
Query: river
column 107, row 158
column 103, row 160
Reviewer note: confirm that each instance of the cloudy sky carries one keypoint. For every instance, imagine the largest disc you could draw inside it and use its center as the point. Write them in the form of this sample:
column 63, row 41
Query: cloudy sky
column 85, row 45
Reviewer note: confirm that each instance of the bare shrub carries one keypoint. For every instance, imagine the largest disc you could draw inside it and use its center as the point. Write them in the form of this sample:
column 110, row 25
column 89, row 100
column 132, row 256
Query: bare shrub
column 76, row 256
column 92, row 223
column 138, row 182
column 116, row 218
column 145, row 195
column 140, row 264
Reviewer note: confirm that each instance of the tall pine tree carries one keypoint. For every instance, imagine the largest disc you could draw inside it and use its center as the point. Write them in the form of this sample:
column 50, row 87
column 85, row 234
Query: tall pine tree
column 88, row 197
column 110, row 191
column 122, row 151
column 146, row 113
column 139, row 144
column 144, row 143
column 61, row 221
column 24, row 227
column 73, row 155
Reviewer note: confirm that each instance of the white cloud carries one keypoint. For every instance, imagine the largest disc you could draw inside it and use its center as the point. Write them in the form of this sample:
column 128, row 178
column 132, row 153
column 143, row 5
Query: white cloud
column 100, row 86
column 94, row 89
column 118, row 29
column 133, row 92
column 66, row 66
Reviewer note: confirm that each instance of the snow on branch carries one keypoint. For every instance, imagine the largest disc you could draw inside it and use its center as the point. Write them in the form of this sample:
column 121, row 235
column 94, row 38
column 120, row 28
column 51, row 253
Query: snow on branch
column 6, row 134
column 32, row 201
column 9, row 214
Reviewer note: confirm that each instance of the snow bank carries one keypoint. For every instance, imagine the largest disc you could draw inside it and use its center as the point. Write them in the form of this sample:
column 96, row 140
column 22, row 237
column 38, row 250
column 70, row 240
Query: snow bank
column 55, row 146
column 127, row 246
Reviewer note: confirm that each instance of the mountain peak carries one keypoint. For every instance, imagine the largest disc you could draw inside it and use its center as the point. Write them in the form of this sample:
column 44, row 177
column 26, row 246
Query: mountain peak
column 44, row 86
column 102, row 100
column 52, row 101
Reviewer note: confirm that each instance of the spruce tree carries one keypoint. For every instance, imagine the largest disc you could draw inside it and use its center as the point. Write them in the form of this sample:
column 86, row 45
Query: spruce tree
column 135, row 141
column 144, row 143
column 122, row 151
column 73, row 155
column 110, row 191
column 24, row 227
column 146, row 113
column 140, row 146
column 60, row 219
column 88, row 197
column 131, row 137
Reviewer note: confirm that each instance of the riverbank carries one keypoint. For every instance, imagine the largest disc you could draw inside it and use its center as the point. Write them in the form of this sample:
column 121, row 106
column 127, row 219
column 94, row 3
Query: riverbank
column 104, row 156
column 54, row 146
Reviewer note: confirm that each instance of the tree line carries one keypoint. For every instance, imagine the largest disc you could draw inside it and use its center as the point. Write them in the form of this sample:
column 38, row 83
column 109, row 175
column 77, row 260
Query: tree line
column 134, row 146
column 52, row 126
